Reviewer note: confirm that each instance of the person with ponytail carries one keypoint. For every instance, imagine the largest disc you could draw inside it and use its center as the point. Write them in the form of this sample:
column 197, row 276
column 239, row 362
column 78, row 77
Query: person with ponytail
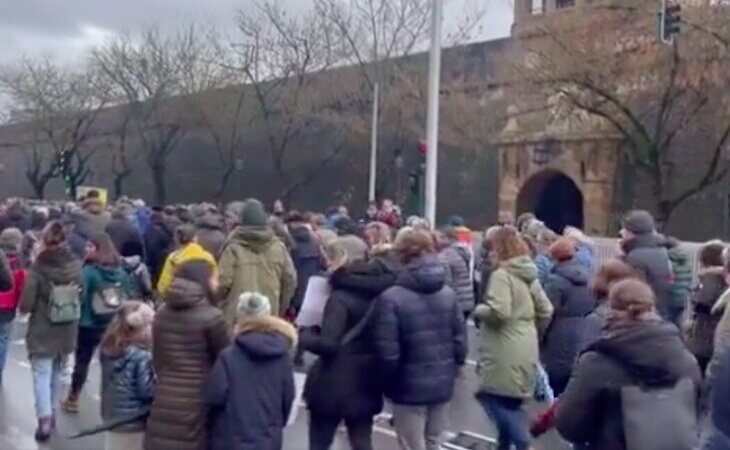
column 127, row 375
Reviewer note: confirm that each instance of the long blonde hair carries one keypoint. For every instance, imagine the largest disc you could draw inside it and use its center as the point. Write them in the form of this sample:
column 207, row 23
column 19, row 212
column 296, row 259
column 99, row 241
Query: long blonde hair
column 132, row 325
column 336, row 255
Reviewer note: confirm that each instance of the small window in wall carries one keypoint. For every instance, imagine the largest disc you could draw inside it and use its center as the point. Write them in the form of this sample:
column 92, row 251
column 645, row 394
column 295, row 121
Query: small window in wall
column 559, row 4
column 538, row 7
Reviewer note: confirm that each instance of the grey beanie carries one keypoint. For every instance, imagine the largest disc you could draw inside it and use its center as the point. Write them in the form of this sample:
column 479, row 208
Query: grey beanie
column 639, row 222
column 252, row 304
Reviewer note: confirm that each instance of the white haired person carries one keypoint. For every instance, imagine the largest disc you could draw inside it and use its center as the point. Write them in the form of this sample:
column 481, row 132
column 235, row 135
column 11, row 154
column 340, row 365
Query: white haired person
column 585, row 253
column 127, row 374
column 251, row 388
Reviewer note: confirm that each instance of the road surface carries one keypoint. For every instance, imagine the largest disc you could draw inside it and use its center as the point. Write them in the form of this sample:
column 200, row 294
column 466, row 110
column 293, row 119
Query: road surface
column 17, row 420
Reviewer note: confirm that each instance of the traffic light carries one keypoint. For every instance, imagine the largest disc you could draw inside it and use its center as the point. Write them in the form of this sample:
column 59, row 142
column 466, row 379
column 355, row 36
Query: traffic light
column 669, row 20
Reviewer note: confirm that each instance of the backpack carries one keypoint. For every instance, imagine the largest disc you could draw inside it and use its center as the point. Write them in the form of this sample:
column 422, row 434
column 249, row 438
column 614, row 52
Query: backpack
column 108, row 301
column 64, row 303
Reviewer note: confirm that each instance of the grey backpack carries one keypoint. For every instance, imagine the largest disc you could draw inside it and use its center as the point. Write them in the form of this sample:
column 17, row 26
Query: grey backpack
column 660, row 418
column 64, row 303
column 108, row 301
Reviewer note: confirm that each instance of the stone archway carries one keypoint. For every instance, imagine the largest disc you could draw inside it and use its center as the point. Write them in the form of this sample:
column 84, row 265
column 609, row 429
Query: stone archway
column 554, row 198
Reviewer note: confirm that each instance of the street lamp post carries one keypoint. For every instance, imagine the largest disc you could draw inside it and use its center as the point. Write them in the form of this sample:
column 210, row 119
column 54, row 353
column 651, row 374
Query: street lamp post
column 432, row 120
column 374, row 147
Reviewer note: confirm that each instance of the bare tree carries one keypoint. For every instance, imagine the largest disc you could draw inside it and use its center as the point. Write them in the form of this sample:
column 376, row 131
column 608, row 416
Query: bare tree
column 281, row 58
column 154, row 76
column 613, row 73
column 61, row 106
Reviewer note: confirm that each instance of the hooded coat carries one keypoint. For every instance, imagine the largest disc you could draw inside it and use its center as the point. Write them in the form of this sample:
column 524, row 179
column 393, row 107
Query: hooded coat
column 643, row 353
column 457, row 262
column 158, row 241
column 681, row 289
column 307, row 258
column 512, row 316
column 345, row 381
column 188, row 334
column 420, row 335
column 251, row 388
column 572, row 301
column 44, row 339
column 703, row 321
column 210, row 234
column 254, row 260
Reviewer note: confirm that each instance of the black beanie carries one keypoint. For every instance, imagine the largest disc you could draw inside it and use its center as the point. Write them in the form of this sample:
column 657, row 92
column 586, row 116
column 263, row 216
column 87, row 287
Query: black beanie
column 253, row 214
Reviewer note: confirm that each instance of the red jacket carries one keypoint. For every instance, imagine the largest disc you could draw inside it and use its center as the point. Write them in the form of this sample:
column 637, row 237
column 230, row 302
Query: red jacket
column 10, row 299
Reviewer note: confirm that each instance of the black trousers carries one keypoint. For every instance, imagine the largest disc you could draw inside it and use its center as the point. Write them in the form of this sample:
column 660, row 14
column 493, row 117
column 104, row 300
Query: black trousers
column 86, row 344
column 322, row 432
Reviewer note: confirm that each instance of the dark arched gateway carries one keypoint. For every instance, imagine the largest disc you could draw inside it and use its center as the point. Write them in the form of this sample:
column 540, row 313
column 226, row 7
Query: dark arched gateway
column 554, row 198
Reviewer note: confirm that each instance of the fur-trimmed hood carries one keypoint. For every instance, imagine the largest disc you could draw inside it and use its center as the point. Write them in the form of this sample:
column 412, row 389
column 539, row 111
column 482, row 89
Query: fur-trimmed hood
column 265, row 337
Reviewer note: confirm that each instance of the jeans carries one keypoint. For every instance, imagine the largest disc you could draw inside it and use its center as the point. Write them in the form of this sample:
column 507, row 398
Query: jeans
column 88, row 341
column 420, row 427
column 510, row 419
column 5, row 332
column 322, row 432
column 46, row 384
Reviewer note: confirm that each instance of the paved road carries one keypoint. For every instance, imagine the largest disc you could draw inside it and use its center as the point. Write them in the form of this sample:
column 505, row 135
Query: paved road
column 17, row 421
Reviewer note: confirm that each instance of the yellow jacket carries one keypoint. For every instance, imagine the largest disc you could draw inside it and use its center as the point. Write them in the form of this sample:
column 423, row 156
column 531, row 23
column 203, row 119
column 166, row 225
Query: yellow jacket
column 190, row 252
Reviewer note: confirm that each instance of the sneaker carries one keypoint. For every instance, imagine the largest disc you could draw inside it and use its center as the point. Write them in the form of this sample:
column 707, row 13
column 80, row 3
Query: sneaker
column 43, row 432
column 70, row 405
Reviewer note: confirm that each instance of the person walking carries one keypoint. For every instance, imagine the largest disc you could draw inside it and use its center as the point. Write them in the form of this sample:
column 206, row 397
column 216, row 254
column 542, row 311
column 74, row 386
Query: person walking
column 254, row 260
column 457, row 261
column 569, row 292
column 51, row 297
column 344, row 383
column 702, row 323
column 104, row 281
column 95, row 212
column 188, row 334
column 158, row 242
column 718, row 433
column 250, row 390
column 644, row 251
column 681, row 288
column 127, row 376
column 421, row 343
column 210, row 234
column 10, row 246
column 124, row 233
column 638, row 350
column 512, row 317
column 188, row 249
column 306, row 254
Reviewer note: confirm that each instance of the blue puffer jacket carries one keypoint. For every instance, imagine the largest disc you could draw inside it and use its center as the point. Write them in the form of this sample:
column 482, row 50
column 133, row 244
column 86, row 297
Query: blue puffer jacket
column 126, row 385
column 420, row 335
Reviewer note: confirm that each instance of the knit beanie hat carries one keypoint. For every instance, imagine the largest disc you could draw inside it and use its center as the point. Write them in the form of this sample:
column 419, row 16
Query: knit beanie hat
column 639, row 222
column 11, row 240
column 253, row 214
column 252, row 304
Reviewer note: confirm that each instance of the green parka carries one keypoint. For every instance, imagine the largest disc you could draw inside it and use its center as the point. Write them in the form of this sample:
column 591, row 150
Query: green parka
column 514, row 313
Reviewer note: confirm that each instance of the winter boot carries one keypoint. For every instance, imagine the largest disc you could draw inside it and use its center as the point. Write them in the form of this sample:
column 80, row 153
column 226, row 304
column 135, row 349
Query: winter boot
column 43, row 432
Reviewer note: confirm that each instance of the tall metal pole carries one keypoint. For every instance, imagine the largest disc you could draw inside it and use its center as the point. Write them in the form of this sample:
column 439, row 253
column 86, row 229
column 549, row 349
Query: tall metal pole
column 374, row 146
column 432, row 121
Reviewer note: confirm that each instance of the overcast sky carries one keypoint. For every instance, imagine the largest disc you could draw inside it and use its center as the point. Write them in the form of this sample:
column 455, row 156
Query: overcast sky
column 64, row 29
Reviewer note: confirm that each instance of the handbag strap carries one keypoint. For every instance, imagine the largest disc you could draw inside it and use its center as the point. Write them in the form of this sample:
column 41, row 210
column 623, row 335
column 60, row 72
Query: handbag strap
column 355, row 331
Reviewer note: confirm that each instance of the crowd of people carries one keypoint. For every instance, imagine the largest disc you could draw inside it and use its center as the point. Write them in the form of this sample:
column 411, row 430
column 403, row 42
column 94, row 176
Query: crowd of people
column 193, row 312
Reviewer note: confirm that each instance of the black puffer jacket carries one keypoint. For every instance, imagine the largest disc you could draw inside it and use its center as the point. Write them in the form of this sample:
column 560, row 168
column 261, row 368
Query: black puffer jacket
column 648, row 256
column 251, row 389
column 344, row 382
column 568, row 290
column 307, row 258
column 210, row 234
column 650, row 352
column 126, row 385
column 126, row 237
column 188, row 334
column 420, row 335
column 158, row 240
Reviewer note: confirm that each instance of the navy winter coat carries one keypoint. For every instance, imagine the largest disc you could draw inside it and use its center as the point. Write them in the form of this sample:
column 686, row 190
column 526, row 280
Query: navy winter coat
column 345, row 380
column 251, row 388
column 568, row 291
column 307, row 259
column 127, row 382
column 719, row 438
column 420, row 335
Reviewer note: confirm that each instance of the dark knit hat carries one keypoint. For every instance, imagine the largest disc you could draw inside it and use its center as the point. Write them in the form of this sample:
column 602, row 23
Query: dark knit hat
column 253, row 214
column 639, row 222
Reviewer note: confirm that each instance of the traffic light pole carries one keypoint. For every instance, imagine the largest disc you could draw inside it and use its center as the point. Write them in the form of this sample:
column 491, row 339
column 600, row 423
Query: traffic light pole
column 374, row 146
column 432, row 120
